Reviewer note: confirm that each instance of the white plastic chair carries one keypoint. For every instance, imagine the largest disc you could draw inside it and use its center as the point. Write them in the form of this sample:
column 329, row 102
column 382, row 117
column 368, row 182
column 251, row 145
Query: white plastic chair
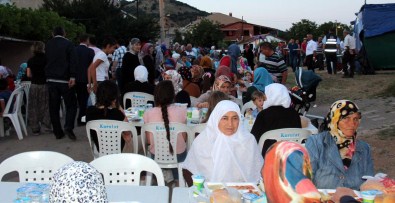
column 109, row 134
column 137, row 98
column 239, row 102
column 285, row 134
column 14, row 113
column 162, row 152
column 125, row 169
column 35, row 166
column 248, row 105
column 26, row 88
column 197, row 129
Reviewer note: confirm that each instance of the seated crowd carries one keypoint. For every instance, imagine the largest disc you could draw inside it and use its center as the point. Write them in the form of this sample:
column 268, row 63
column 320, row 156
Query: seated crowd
column 225, row 151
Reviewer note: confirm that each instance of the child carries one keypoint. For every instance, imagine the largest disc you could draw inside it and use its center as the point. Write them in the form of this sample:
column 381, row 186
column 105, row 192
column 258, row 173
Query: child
column 258, row 98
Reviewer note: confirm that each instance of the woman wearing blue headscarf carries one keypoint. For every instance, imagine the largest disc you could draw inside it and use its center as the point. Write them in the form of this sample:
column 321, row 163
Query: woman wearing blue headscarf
column 262, row 78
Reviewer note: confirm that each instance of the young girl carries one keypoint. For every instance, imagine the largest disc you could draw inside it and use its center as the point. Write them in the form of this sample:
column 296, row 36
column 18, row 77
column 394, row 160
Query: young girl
column 165, row 112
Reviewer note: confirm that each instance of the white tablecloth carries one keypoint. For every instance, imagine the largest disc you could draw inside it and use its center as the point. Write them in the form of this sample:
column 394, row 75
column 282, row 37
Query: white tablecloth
column 180, row 195
column 115, row 193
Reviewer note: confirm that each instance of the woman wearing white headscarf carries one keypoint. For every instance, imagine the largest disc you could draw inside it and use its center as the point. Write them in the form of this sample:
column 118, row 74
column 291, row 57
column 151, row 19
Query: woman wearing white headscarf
column 77, row 182
column 182, row 96
column 141, row 83
column 276, row 113
column 225, row 151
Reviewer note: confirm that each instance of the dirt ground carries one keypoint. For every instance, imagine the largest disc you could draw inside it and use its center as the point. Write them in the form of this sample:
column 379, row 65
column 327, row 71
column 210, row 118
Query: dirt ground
column 377, row 127
column 376, row 99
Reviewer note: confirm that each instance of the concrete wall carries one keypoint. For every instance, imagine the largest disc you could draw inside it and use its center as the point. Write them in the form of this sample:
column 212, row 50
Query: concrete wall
column 12, row 53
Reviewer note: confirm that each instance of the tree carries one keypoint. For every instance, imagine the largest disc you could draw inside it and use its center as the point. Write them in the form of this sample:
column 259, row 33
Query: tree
column 103, row 18
column 205, row 34
column 34, row 24
column 325, row 27
column 301, row 28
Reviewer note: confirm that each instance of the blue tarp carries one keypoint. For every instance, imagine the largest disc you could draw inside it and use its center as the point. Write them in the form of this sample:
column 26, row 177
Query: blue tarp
column 378, row 19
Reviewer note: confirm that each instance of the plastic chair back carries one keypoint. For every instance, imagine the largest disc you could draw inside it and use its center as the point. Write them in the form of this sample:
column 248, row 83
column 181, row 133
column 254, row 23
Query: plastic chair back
column 137, row 98
column 285, row 134
column 248, row 105
column 125, row 169
column 13, row 111
column 26, row 88
column 35, row 166
column 109, row 134
column 162, row 152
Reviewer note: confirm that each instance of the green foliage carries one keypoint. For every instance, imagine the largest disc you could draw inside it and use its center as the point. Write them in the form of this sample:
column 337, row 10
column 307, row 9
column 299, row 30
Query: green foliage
column 205, row 34
column 34, row 24
column 300, row 29
column 102, row 18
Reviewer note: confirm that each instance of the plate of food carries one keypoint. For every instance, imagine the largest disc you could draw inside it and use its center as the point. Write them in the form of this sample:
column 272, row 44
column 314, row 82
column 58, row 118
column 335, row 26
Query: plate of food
column 327, row 194
column 245, row 188
column 211, row 186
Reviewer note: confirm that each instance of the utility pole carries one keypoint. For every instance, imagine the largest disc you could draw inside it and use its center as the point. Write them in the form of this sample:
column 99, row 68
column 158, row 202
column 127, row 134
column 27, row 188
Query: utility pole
column 242, row 28
column 162, row 20
column 137, row 6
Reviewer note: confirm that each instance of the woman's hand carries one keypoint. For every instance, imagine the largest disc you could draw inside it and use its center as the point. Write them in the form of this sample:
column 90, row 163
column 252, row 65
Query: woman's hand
column 202, row 105
column 340, row 192
column 127, row 136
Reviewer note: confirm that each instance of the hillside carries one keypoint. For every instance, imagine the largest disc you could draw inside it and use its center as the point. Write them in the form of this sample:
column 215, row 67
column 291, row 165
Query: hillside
column 179, row 13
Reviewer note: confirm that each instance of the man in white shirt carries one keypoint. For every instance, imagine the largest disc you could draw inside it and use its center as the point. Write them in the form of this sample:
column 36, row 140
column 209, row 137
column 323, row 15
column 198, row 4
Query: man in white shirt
column 311, row 49
column 349, row 55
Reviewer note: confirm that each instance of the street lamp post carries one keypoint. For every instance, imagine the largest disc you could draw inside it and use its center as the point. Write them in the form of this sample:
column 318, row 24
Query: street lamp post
column 162, row 20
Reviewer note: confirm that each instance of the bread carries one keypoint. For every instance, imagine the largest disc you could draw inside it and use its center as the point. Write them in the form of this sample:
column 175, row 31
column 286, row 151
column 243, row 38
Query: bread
column 387, row 185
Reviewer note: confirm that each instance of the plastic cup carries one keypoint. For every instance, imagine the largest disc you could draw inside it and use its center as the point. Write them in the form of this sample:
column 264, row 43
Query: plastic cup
column 189, row 113
column 141, row 112
column 198, row 181
column 369, row 195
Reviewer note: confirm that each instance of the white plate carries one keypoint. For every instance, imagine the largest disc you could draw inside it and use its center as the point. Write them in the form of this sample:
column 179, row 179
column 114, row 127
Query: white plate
column 254, row 187
column 208, row 186
column 332, row 191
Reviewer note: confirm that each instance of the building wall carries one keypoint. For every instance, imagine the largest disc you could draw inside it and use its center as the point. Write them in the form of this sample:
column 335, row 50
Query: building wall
column 34, row 4
column 12, row 53
column 238, row 31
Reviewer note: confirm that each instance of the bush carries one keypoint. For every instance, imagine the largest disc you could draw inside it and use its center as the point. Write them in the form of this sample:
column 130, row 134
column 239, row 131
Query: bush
column 34, row 24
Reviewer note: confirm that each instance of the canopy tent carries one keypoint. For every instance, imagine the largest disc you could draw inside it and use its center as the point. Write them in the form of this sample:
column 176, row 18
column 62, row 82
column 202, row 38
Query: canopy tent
column 375, row 29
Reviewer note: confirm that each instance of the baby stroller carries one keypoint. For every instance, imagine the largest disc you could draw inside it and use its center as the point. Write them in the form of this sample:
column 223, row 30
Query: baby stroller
column 305, row 92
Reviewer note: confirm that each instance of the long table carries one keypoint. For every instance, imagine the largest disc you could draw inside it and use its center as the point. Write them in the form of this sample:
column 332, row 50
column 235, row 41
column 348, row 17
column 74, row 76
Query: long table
column 115, row 193
column 180, row 195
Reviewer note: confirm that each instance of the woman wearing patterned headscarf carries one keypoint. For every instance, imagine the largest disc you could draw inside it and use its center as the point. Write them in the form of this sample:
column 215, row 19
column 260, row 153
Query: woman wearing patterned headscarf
column 338, row 157
column 77, row 182
column 190, row 87
column 222, row 84
column 181, row 95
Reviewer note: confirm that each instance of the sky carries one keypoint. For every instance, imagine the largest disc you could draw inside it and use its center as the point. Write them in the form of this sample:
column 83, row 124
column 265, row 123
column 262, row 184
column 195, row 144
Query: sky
column 281, row 14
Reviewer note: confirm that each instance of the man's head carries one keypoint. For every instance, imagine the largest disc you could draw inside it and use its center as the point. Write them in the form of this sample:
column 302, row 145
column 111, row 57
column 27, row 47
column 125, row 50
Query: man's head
column 346, row 32
column 309, row 37
column 319, row 39
column 188, row 47
column 266, row 49
column 291, row 41
column 84, row 38
column 58, row 31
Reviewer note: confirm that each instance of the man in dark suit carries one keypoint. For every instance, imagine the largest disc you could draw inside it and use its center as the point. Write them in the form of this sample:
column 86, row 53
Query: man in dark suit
column 84, row 57
column 60, row 72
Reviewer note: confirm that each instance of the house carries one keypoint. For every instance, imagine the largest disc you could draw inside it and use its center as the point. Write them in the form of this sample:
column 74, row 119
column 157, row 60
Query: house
column 235, row 29
column 14, row 51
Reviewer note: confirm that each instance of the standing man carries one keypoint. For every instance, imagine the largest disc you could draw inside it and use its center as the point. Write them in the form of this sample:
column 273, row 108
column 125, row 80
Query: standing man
column 274, row 63
column 293, row 53
column 311, row 49
column 349, row 55
column 60, row 72
column 331, row 46
column 320, row 54
column 84, row 57
column 117, row 58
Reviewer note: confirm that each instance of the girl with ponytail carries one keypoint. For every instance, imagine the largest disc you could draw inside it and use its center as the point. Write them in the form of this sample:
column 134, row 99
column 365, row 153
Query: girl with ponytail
column 164, row 111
